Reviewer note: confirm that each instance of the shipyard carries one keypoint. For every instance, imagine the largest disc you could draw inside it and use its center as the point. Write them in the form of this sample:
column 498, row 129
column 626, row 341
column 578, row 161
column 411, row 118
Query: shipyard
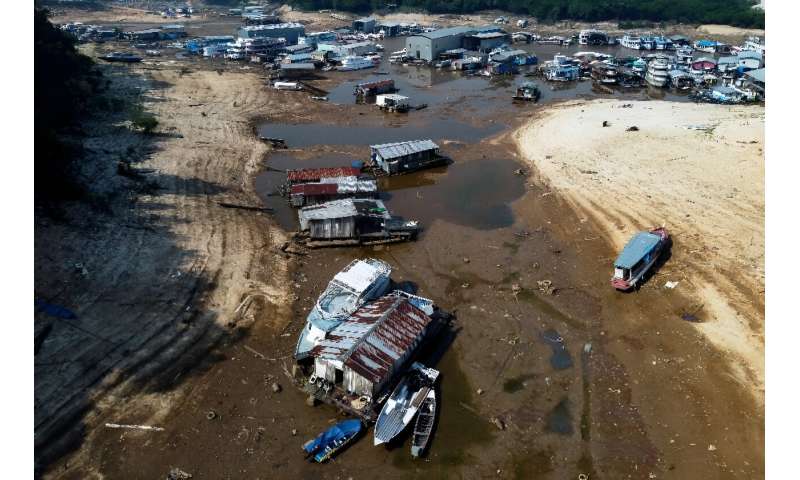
column 458, row 246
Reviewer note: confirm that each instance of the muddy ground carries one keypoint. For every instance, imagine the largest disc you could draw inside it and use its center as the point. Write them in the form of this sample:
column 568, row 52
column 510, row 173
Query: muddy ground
column 637, row 392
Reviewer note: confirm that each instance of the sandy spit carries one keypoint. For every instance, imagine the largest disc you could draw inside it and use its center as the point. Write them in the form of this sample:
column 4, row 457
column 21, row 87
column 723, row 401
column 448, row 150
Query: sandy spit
column 696, row 168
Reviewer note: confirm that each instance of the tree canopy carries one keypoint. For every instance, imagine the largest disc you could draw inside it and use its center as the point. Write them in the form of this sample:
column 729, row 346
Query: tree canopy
column 729, row 12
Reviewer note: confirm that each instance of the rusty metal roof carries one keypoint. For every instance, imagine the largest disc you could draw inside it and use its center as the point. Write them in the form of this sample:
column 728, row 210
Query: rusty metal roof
column 375, row 337
column 315, row 174
column 312, row 189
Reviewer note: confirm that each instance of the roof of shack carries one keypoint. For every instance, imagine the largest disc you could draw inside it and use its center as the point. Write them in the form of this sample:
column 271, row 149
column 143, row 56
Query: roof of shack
column 314, row 174
column 401, row 149
column 375, row 337
column 757, row 75
column 345, row 208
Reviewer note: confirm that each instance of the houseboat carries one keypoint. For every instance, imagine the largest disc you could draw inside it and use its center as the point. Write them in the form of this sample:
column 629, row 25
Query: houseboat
column 403, row 157
column 683, row 56
column 561, row 69
column 358, row 283
column 639, row 256
column 528, row 91
column 370, row 89
column 392, row 102
column 355, row 63
column 605, row 73
column 657, row 73
column 121, row 57
column 592, row 37
column 681, row 80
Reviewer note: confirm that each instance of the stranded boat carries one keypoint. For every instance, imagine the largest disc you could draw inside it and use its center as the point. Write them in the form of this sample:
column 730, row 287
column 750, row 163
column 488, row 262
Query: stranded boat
column 121, row 57
column 405, row 401
column 638, row 257
column 424, row 424
column 358, row 283
column 332, row 440
column 528, row 92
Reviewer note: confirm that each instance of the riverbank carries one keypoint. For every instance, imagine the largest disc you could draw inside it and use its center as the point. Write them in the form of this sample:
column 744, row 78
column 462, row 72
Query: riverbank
column 157, row 272
column 699, row 170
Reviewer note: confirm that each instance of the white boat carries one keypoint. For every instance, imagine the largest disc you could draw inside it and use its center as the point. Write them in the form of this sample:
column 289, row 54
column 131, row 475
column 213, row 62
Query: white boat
column 405, row 401
column 423, row 427
column 631, row 41
column 657, row 73
column 356, row 63
column 592, row 37
column 359, row 282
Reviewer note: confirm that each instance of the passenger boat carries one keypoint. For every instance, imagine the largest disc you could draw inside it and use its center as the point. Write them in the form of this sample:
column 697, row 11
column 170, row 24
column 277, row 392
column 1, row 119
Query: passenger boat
column 681, row 80
column 359, row 282
column 638, row 257
column 631, row 41
column 684, row 56
column 423, row 427
column 657, row 73
column 356, row 63
column 561, row 69
column 332, row 440
column 592, row 37
column 404, row 402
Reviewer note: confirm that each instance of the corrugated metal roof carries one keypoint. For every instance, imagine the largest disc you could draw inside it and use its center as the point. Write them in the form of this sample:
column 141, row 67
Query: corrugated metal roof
column 376, row 84
column 347, row 207
column 638, row 246
column 315, row 174
column 298, row 66
column 446, row 32
column 375, row 337
column 332, row 186
column 400, row 149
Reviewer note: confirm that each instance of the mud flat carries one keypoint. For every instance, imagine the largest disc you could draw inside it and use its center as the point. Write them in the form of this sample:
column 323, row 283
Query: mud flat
column 699, row 170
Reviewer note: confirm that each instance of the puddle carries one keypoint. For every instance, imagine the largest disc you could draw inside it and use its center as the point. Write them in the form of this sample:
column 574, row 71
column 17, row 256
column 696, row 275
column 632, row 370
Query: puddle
column 561, row 359
column 311, row 134
column 475, row 193
column 513, row 385
column 559, row 420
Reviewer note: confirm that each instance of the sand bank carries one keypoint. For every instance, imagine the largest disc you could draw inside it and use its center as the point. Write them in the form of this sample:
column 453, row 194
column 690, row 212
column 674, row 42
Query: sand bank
column 699, row 170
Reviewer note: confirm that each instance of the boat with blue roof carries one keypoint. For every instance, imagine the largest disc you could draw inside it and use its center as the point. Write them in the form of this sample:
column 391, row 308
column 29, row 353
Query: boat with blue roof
column 638, row 257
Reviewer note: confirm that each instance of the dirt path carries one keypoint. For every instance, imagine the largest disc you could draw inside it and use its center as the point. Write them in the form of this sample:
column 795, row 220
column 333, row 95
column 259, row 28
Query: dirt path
column 698, row 169
column 157, row 272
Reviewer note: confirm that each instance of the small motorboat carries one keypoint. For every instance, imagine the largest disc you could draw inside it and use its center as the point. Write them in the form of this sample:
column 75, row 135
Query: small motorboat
column 332, row 440
column 638, row 257
column 528, row 91
column 424, row 424
column 405, row 401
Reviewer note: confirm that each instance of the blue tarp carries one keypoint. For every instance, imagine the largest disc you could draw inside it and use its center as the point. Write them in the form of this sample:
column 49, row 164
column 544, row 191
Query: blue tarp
column 640, row 245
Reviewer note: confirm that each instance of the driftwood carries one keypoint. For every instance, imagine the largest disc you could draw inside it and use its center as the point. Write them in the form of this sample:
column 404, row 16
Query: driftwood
column 135, row 427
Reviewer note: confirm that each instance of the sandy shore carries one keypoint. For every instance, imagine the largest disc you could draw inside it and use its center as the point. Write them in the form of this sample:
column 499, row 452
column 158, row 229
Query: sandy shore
column 699, row 170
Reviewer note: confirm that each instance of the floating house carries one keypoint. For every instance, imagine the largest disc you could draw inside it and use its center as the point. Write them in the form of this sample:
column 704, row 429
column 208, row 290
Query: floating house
column 392, row 102
column 297, row 70
column 354, row 221
column 289, row 31
column 367, row 89
column 347, row 49
column 327, row 189
column 486, row 41
column 390, row 29
column 365, row 25
column 306, row 175
column 402, row 157
column 368, row 350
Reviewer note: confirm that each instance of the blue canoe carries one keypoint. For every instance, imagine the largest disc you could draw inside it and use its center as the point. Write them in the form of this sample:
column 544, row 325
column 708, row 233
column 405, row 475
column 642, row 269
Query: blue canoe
column 332, row 440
